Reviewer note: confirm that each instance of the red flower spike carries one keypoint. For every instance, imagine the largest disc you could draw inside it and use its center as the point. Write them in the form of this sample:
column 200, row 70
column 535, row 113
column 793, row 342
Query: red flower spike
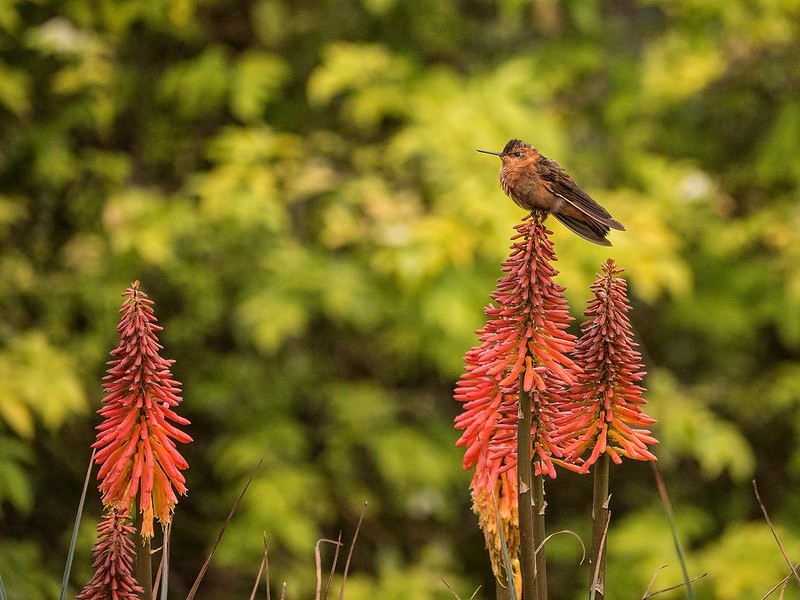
column 113, row 562
column 524, row 340
column 139, row 461
column 606, row 413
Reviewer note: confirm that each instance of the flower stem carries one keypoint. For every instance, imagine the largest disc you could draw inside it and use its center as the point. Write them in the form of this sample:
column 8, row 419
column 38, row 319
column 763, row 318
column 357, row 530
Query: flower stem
column 525, row 504
column 600, row 519
column 144, row 566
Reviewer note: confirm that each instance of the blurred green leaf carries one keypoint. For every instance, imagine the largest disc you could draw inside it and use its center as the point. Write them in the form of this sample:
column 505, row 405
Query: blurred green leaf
column 16, row 459
column 38, row 381
column 198, row 87
column 257, row 78
column 22, row 562
column 687, row 427
column 14, row 90
column 642, row 545
column 759, row 564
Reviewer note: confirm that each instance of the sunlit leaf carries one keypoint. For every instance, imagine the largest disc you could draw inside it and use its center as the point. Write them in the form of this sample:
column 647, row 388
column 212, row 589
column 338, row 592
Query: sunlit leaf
column 40, row 382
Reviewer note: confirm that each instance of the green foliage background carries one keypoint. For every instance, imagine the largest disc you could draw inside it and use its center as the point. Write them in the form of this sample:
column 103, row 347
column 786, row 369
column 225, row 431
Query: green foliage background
column 295, row 183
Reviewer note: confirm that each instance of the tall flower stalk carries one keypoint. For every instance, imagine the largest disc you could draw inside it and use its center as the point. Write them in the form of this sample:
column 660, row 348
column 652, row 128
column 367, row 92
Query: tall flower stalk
column 513, row 377
column 606, row 416
column 140, row 465
column 605, row 420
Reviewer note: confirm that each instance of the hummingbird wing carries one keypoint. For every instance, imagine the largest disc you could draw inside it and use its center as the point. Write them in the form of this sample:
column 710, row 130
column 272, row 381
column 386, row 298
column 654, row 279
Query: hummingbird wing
column 588, row 229
column 561, row 184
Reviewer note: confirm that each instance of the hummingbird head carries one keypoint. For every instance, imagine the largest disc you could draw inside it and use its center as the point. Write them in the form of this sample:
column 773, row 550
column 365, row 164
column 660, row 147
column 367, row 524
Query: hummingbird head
column 515, row 152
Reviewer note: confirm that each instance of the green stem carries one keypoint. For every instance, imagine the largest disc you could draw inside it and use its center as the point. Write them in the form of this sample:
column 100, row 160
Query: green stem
column 600, row 519
column 144, row 565
column 539, row 535
column 527, row 547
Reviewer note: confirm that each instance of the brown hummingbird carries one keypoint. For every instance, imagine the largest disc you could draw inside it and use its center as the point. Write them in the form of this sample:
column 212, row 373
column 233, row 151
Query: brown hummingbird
column 534, row 181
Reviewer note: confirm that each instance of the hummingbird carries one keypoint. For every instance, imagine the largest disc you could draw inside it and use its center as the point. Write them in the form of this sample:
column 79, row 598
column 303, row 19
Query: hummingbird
column 534, row 182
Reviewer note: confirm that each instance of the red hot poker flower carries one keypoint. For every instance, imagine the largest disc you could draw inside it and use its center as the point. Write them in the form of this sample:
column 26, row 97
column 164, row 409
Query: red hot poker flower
column 606, row 415
column 113, row 562
column 139, row 461
column 524, row 342
column 524, row 338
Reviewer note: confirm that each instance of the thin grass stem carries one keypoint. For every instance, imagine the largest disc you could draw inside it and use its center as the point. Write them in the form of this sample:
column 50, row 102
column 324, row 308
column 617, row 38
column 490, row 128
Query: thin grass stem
column 539, row 538
column 73, row 540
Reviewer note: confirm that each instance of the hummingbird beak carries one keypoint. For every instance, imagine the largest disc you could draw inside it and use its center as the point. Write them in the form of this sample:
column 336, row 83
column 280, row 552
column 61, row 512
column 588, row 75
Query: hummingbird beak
column 492, row 153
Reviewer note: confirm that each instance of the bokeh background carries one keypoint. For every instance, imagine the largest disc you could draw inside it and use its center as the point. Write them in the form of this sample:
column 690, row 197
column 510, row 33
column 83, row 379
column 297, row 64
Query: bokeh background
column 295, row 183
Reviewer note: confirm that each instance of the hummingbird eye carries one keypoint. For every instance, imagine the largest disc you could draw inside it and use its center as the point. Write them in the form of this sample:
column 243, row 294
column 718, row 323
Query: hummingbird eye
column 518, row 154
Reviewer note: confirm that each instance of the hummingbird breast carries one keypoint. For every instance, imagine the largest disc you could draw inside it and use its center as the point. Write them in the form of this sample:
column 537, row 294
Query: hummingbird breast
column 525, row 189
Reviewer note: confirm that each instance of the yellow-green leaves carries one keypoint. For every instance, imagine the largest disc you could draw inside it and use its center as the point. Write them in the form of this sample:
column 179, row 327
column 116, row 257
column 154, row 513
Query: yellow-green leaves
column 199, row 86
column 38, row 384
column 676, row 67
column 146, row 222
column 372, row 80
column 257, row 78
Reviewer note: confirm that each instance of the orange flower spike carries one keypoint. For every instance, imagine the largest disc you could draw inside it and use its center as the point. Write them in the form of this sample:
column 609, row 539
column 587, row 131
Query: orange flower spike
column 605, row 415
column 524, row 338
column 135, row 443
